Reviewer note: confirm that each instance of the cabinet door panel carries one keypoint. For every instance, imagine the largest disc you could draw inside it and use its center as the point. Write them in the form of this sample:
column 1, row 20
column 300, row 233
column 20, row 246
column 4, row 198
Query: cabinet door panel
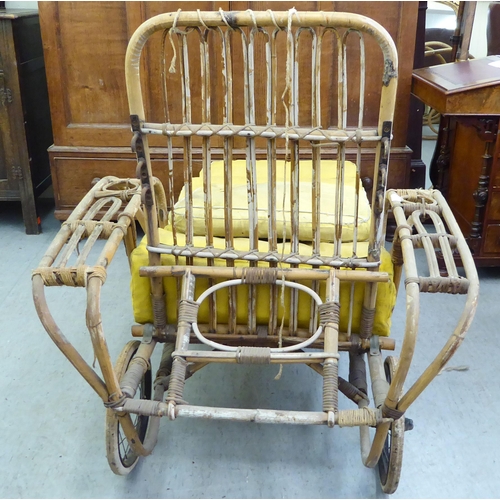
column 84, row 47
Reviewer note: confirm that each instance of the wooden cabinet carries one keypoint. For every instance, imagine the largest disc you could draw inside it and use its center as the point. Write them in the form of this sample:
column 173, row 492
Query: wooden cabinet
column 466, row 165
column 25, row 128
column 85, row 44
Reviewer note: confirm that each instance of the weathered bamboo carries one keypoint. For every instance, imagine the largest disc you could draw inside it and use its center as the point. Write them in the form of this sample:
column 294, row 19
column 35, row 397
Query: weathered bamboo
column 85, row 211
column 271, row 98
column 206, row 161
column 331, row 341
column 251, row 168
column 343, row 418
column 289, row 274
column 94, row 325
column 228, row 158
column 240, row 336
column 232, row 357
column 137, row 368
column 63, row 344
column 294, row 133
column 469, row 309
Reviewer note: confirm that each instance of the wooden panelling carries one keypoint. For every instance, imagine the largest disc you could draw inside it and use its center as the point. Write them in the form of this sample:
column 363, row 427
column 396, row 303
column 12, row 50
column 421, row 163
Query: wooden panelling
column 492, row 239
column 85, row 43
column 494, row 208
column 464, row 171
column 496, row 173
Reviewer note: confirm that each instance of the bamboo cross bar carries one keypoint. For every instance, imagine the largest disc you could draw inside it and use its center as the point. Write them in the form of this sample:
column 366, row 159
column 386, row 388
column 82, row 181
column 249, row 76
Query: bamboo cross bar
column 294, row 133
column 232, row 357
column 289, row 274
column 342, row 418
column 254, row 256
column 240, row 337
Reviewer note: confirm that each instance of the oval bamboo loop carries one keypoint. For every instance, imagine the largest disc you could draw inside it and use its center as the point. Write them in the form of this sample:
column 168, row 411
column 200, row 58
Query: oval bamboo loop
column 273, row 350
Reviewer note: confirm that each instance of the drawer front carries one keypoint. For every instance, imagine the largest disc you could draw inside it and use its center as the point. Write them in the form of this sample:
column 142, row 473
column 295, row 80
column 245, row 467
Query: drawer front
column 72, row 175
column 492, row 239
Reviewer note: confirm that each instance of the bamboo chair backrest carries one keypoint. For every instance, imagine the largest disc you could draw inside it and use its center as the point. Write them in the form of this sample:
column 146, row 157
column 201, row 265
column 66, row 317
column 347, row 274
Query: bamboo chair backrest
column 255, row 86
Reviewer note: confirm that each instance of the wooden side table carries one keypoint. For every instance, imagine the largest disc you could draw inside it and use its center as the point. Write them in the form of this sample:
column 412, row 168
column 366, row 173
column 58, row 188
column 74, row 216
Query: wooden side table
column 25, row 126
column 466, row 163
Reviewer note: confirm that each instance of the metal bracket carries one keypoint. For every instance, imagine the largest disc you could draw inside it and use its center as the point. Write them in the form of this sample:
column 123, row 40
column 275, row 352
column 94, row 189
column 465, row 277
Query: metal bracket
column 147, row 333
column 138, row 146
column 374, row 345
column 135, row 123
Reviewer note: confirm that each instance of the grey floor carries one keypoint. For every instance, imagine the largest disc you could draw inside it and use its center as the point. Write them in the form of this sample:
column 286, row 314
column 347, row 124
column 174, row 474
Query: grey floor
column 52, row 424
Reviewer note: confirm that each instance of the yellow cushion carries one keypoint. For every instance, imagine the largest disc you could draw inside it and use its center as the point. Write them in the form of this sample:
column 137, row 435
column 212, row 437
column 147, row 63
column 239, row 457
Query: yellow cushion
column 143, row 312
column 240, row 206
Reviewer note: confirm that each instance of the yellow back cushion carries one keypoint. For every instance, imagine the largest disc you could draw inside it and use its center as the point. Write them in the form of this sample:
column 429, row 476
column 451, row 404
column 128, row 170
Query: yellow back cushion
column 240, row 222
column 141, row 290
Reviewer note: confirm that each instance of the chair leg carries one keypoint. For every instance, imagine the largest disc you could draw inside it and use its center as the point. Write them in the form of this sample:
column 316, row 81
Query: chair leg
column 329, row 316
column 186, row 316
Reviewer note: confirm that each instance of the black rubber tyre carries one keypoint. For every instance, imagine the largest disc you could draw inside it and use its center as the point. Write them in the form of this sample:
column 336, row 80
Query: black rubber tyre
column 391, row 460
column 121, row 457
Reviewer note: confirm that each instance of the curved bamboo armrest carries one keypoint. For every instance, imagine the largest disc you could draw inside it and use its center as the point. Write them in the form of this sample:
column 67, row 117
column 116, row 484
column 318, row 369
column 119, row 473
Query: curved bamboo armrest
column 409, row 208
column 108, row 195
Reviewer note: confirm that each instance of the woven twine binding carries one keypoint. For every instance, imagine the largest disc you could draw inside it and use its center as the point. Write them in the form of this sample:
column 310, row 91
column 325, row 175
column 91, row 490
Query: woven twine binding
column 70, row 276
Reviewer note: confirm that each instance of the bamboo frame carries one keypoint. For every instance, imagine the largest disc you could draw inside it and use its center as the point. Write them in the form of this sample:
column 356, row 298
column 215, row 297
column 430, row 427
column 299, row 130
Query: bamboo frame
column 145, row 201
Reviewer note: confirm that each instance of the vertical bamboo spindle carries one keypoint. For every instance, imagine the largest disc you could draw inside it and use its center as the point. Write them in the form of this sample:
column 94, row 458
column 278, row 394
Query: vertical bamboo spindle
column 188, row 149
column 228, row 165
column 206, row 165
column 316, row 165
column 251, row 170
column 294, row 172
column 272, row 77
column 331, row 335
column 179, row 364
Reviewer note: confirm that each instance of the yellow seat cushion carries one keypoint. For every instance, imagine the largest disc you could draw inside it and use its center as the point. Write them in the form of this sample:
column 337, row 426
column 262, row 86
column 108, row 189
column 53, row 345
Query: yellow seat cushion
column 141, row 290
column 240, row 221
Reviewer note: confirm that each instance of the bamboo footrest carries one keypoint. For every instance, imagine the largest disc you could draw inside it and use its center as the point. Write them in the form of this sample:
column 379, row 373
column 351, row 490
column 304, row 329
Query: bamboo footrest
column 236, row 357
column 343, row 418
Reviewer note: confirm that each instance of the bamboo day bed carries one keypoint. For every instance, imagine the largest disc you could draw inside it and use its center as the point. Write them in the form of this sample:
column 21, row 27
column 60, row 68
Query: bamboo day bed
column 272, row 252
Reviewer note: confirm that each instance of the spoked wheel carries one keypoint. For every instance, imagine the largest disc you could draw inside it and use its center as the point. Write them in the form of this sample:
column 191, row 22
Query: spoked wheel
column 122, row 459
column 391, row 460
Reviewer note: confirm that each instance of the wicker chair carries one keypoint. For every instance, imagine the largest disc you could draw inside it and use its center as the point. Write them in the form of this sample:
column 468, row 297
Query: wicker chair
column 273, row 252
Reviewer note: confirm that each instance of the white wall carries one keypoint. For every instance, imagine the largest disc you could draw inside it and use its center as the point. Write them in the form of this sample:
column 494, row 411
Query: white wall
column 478, row 46
column 441, row 16
column 21, row 5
